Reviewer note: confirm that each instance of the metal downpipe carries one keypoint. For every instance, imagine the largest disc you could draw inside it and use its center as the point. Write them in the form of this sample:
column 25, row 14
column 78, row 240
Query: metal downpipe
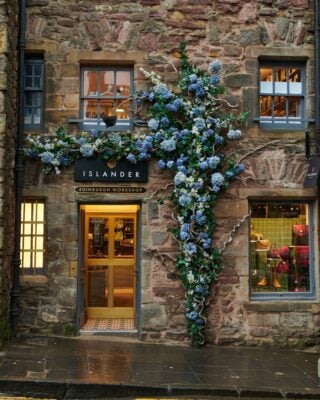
column 19, row 170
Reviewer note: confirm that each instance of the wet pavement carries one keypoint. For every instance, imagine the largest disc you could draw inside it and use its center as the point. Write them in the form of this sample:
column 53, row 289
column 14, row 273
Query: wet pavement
column 96, row 368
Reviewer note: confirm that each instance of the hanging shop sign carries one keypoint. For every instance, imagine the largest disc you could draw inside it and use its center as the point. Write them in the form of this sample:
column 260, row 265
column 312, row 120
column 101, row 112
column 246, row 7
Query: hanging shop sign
column 110, row 189
column 312, row 176
column 110, row 171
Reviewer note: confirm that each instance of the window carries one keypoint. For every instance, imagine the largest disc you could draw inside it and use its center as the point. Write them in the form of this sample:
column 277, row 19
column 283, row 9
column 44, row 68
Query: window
column 281, row 250
column 32, row 236
column 281, row 97
column 33, row 92
column 106, row 92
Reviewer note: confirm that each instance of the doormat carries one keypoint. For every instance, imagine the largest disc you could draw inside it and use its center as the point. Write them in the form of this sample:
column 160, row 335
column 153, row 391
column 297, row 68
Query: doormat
column 109, row 324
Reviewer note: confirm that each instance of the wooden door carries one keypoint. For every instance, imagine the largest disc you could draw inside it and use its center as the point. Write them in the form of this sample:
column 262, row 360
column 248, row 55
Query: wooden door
column 110, row 254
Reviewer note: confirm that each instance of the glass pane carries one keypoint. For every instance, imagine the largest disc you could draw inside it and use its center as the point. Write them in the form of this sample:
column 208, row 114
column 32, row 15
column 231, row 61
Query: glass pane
column 266, row 84
column 295, row 81
column 37, row 83
column 98, row 239
column 123, row 83
column 29, row 69
column 26, row 259
column 39, row 259
column 26, row 229
column 90, row 83
column 294, row 107
column 27, row 115
column 123, row 109
column 28, row 83
column 123, row 284
column 107, row 83
column 124, row 237
column 90, row 109
column 266, row 106
column 280, row 106
column 27, row 212
column 281, row 85
column 279, row 247
column 97, row 286
column 37, row 116
column 39, row 243
column 26, row 243
column 28, row 99
column 36, row 99
column 37, row 69
column 107, row 108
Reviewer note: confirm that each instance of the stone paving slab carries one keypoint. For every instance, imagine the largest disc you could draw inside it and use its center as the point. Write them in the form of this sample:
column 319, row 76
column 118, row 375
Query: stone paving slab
column 90, row 368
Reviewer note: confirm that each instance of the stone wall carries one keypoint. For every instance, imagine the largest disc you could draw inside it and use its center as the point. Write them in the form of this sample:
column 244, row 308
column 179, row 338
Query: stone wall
column 148, row 33
column 8, row 126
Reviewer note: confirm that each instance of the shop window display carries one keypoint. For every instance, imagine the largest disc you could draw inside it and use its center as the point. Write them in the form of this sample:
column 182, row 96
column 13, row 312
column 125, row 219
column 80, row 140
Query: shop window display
column 280, row 248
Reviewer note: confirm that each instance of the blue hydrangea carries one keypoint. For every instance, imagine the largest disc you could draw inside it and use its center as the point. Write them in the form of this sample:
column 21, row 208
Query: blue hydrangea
column 170, row 164
column 206, row 244
column 218, row 140
column 213, row 161
column 200, row 124
column 215, row 67
column 192, row 315
column 153, row 124
column 132, row 158
column 196, row 112
column 208, row 133
column 239, row 168
column 171, row 107
column 143, row 155
column 162, row 164
column 94, row 133
column 191, row 248
column 184, row 200
column 203, row 165
column 47, row 157
column 192, row 87
column 168, row 145
column 179, row 178
column 82, row 140
column 165, row 121
column 200, row 218
column 214, row 80
column 163, row 91
column 217, row 181
column 234, row 134
column 87, row 150
column 193, row 78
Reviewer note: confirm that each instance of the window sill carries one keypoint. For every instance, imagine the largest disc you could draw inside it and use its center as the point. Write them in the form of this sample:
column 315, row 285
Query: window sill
column 41, row 279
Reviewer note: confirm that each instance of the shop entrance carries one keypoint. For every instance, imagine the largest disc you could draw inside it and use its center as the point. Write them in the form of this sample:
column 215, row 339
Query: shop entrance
column 109, row 260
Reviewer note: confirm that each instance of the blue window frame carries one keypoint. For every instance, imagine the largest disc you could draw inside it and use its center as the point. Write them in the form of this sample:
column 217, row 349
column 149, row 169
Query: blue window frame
column 33, row 92
column 282, row 250
column 282, row 95
column 106, row 92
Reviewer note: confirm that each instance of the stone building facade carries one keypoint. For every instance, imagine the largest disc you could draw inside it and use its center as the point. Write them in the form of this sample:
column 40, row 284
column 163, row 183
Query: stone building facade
column 8, row 128
column 246, row 37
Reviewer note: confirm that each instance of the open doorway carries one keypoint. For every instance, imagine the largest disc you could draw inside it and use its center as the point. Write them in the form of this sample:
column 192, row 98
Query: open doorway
column 108, row 277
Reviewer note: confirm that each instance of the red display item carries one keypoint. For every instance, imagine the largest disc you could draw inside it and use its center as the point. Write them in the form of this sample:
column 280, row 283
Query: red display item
column 302, row 256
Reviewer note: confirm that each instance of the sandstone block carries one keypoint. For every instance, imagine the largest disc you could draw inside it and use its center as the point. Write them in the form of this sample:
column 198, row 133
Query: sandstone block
column 240, row 80
column 154, row 315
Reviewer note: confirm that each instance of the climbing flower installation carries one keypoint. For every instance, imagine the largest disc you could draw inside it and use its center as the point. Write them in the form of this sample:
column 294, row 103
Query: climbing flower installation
column 187, row 135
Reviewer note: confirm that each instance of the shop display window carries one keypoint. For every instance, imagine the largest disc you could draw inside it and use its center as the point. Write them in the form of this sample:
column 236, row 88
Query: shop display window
column 281, row 95
column 281, row 249
column 106, row 92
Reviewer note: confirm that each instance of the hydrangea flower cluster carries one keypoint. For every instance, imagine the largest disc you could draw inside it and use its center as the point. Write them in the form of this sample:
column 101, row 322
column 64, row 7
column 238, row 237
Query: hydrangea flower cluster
column 187, row 135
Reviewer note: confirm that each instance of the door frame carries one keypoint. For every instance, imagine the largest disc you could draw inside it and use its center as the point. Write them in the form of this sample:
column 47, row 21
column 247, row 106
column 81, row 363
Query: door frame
column 81, row 229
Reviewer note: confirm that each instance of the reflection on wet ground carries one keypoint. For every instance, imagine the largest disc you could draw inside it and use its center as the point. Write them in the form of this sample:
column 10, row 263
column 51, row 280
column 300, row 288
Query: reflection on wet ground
column 62, row 368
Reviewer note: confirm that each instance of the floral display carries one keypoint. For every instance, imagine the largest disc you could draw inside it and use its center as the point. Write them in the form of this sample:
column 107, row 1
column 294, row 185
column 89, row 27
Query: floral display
column 188, row 135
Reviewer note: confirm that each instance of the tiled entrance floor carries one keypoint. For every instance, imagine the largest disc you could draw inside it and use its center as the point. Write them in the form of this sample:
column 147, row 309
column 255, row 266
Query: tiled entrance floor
column 109, row 324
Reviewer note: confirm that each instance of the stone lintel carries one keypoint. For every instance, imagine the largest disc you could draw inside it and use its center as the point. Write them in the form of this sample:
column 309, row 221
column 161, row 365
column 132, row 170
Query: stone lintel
column 274, row 52
column 109, row 57
column 276, row 193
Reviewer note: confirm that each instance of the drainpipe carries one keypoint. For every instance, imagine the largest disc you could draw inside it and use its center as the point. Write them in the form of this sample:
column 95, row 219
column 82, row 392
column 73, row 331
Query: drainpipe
column 19, row 169
column 317, row 75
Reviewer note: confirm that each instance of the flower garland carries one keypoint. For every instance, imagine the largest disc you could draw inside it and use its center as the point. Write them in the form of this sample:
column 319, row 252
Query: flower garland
column 187, row 134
